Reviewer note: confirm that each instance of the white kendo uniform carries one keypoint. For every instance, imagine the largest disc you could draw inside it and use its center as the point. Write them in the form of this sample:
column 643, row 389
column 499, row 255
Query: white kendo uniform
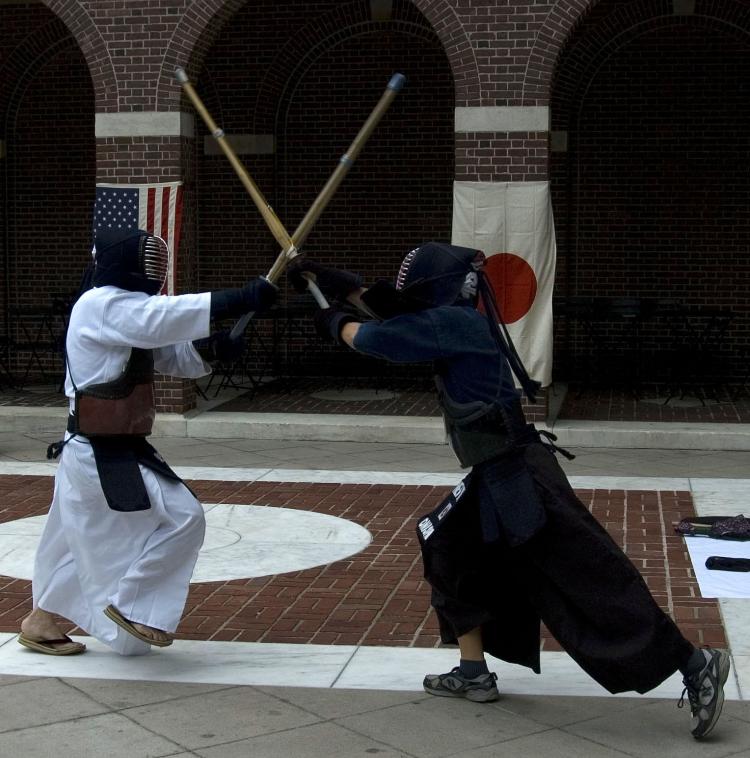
column 91, row 556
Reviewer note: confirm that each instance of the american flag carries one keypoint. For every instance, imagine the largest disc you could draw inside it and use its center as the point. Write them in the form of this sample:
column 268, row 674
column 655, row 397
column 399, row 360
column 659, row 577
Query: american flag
column 155, row 208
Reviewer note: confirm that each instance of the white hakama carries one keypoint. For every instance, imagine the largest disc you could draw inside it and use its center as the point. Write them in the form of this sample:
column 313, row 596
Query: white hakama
column 91, row 556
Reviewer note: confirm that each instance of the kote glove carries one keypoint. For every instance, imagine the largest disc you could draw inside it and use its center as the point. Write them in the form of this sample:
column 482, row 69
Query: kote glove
column 256, row 296
column 334, row 283
column 329, row 323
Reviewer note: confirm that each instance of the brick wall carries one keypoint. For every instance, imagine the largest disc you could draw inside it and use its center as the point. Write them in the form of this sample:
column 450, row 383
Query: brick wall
column 51, row 162
column 28, row 32
column 501, row 157
column 668, row 90
column 399, row 191
column 652, row 199
column 51, row 168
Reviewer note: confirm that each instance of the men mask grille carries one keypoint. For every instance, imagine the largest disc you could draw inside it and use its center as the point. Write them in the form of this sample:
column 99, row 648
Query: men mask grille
column 404, row 270
column 469, row 289
column 155, row 259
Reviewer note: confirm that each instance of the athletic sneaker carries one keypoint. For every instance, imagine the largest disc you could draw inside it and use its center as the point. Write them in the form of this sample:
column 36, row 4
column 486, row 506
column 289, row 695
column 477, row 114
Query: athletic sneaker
column 705, row 692
column 480, row 689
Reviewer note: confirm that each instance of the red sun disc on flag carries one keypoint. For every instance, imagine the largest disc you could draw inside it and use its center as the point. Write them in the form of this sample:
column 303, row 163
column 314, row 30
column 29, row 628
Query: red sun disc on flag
column 514, row 283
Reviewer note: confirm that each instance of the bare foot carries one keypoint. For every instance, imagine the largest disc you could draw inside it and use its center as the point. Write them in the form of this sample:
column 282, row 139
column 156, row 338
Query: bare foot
column 40, row 626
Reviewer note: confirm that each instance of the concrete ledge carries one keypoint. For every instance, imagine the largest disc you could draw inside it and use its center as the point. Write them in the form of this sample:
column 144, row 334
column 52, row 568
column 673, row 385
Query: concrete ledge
column 29, row 420
column 653, row 435
column 171, row 425
column 396, row 429
column 19, row 418
column 323, row 427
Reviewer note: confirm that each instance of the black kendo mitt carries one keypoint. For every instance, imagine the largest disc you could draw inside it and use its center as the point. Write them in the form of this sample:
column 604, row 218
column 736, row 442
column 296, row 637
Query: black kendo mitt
column 256, row 296
column 334, row 283
column 330, row 321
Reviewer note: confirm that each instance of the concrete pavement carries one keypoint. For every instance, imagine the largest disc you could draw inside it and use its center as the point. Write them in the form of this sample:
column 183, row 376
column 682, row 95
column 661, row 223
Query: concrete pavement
column 55, row 715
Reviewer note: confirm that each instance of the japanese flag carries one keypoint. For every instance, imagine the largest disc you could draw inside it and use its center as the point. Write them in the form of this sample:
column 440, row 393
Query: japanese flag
column 511, row 222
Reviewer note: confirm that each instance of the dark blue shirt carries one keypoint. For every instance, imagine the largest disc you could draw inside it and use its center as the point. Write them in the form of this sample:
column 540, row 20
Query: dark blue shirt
column 457, row 338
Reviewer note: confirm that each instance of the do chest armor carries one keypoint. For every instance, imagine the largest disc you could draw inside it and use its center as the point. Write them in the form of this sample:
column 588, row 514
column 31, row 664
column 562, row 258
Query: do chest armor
column 122, row 407
column 479, row 431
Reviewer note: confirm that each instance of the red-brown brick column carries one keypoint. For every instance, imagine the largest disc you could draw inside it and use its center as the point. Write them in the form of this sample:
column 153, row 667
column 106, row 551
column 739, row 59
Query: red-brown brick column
column 137, row 157
column 504, row 144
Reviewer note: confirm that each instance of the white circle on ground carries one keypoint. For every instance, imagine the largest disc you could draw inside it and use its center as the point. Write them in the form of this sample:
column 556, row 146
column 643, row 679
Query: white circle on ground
column 242, row 542
column 354, row 395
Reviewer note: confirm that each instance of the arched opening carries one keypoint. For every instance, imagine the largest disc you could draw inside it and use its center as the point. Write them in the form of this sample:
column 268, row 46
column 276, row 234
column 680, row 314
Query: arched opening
column 649, row 155
column 293, row 84
column 48, row 170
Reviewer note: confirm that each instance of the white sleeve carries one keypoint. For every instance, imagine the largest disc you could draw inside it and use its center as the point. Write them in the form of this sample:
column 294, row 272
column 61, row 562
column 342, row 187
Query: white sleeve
column 180, row 360
column 134, row 319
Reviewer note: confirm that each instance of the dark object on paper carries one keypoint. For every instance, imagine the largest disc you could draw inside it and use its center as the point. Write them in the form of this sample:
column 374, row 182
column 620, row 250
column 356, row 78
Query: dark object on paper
column 718, row 527
column 725, row 563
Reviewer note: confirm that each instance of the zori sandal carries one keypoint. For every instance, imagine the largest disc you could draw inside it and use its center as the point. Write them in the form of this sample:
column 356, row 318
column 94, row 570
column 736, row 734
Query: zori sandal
column 112, row 613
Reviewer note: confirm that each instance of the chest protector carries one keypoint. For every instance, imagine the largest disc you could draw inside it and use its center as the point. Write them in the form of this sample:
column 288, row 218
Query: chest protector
column 124, row 406
column 479, row 431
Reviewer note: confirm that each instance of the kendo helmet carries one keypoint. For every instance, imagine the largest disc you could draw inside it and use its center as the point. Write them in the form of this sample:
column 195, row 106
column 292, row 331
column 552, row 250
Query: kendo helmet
column 133, row 260
column 440, row 274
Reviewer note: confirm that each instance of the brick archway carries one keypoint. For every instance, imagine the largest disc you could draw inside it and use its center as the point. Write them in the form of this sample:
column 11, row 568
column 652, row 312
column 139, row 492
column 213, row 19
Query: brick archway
column 562, row 23
column 548, row 46
column 22, row 64
column 197, row 30
column 580, row 62
column 47, row 110
column 458, row 48
column 89, row 39
column 193, row 36
column 301, row 52
column 650, row 185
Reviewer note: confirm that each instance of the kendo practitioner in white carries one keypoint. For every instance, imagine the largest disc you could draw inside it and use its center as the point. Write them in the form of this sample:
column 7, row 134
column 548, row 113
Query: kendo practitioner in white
column 123, row 531
column 511, row 545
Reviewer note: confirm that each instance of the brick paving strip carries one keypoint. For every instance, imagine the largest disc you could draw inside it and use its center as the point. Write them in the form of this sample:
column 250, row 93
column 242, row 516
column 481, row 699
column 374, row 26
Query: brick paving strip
column 603, row 405
column 379, row 596
column 413, row 400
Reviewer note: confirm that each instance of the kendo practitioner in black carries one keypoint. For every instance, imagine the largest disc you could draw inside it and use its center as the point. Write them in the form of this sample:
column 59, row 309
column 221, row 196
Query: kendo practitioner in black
column 512, row 545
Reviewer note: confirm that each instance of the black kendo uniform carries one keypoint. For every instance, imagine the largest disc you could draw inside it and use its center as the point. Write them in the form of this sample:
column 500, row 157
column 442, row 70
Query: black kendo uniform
column 513, row 545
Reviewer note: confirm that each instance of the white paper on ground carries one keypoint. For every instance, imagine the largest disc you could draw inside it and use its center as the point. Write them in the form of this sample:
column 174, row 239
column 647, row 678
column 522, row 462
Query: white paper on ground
column 719, row 583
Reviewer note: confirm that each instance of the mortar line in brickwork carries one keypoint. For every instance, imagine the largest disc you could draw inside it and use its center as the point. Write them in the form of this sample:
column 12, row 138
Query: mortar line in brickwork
column 390, row 595
column 625, row 512
column 667, row 570
column 422, row 625
column 196, row 609
column 268, row 578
